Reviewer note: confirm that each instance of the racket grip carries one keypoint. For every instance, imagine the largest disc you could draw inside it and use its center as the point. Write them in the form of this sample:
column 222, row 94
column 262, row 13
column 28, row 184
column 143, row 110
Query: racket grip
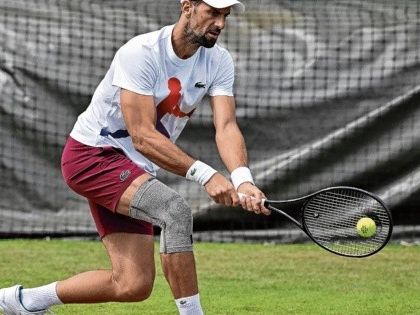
column 241, row 195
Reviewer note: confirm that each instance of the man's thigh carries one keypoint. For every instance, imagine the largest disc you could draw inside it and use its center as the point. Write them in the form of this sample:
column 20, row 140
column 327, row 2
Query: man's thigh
column 106, row 177
column 101, row 174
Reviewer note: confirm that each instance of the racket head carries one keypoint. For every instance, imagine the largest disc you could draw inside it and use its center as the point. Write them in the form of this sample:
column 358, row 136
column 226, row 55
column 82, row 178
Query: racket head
column 330, row 219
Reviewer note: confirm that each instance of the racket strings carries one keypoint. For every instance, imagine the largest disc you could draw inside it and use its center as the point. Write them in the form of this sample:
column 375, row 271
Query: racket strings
column 370, row 205
column 350, row 209
column 331, row 218
column 346, row 197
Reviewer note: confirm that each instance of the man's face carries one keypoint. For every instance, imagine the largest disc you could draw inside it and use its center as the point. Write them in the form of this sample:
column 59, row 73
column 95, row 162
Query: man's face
column 205, row 24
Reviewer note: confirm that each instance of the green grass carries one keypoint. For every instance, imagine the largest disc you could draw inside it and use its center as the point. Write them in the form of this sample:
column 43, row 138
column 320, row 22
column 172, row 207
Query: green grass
column 240, row 278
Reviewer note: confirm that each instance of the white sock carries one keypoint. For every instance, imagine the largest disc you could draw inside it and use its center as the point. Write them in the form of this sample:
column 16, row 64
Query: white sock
column 40, row 298
column 189, row 305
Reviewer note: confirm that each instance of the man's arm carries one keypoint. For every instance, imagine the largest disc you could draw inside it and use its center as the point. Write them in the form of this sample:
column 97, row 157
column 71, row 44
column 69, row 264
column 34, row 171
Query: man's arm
column 231, row 146
column 139, row 113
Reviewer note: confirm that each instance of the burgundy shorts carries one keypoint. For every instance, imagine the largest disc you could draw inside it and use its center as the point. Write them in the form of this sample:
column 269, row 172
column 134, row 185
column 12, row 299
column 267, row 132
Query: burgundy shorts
column 102, row 174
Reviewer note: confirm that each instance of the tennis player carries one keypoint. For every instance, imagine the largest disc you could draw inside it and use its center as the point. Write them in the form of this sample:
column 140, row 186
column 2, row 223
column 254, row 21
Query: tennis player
column 153, row 86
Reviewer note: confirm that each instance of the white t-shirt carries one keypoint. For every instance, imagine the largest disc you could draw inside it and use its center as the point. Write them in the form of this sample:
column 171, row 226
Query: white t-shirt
column 148, row 65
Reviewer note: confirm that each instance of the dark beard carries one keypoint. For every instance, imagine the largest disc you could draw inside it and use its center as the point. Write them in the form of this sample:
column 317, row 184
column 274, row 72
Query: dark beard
column 205, row 42
column 198, row 39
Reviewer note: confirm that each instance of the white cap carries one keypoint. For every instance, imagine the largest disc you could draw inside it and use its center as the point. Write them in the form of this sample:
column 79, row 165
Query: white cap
column 220, row 4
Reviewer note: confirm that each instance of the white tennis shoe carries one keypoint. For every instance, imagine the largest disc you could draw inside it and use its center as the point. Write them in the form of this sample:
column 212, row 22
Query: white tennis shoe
column 10, row 303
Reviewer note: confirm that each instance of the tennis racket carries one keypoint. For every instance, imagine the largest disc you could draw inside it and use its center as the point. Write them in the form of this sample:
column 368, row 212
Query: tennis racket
column 330, row 218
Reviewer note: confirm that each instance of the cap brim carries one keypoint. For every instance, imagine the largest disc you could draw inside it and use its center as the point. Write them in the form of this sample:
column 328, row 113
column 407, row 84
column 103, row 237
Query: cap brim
column 218, row 4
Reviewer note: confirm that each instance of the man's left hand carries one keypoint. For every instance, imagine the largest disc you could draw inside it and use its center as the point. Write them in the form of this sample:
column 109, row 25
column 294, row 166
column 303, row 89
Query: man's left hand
column 253, row 200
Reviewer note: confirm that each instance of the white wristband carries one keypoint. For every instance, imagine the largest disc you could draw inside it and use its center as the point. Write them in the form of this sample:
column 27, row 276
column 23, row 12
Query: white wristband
column 200, row 172
column 241, row 175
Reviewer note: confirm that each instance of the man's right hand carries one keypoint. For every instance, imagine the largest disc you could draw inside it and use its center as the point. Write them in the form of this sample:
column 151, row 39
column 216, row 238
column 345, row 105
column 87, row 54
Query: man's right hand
column 221, row 190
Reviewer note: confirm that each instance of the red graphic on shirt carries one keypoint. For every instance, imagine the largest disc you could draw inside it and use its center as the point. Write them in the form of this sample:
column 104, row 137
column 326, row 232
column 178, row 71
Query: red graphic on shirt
column 170, row 105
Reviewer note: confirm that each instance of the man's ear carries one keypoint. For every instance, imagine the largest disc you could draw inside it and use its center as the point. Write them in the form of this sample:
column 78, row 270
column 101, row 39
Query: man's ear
column 186, row 8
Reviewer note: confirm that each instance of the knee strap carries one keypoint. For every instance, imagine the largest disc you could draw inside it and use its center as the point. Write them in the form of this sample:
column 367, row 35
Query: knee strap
column 160, row 205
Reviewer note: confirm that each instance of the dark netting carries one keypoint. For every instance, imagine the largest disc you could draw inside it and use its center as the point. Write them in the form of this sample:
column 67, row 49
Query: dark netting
column 328, row 93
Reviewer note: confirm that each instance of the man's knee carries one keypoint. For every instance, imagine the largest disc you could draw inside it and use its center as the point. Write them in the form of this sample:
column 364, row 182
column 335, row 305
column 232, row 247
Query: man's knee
column 157, row 203
column 132, row 289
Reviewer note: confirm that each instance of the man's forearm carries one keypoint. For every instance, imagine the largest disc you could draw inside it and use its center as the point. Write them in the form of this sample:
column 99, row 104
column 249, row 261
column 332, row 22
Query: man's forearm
column 231, row 146
column 161, row 151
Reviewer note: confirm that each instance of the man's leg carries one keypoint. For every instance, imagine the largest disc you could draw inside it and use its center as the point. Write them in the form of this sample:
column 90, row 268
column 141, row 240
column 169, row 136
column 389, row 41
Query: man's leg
column 180, row 272
column 130, row 280
column 179, row 268
column 153, row 201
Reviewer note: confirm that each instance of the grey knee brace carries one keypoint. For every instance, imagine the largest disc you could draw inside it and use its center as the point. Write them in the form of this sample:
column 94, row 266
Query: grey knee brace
column 160, row 205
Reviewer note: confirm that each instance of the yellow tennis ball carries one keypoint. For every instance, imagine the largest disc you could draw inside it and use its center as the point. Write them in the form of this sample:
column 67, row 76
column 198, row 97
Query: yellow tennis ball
column 366, row 227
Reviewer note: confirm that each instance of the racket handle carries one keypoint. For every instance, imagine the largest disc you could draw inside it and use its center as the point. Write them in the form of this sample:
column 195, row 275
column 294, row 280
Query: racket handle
column 241, row 195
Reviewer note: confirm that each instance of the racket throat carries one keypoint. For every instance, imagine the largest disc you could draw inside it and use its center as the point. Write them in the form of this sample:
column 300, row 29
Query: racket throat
column 296, row 222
